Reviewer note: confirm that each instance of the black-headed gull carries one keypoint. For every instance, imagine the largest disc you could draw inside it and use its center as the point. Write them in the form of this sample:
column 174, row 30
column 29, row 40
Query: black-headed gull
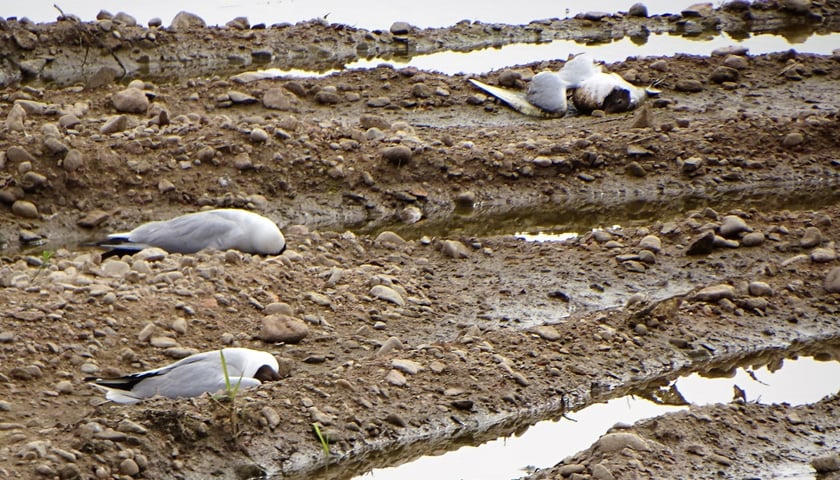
column 195, row 375
column 222, row 229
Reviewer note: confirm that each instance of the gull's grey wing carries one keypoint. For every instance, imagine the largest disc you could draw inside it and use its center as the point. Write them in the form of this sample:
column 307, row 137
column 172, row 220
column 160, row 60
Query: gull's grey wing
column 516, row 100
column 187, row 234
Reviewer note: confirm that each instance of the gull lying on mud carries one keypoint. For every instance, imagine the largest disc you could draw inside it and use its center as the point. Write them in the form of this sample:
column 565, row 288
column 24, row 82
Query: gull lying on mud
column 591, row 89
column 195, row 375
column 222, row 229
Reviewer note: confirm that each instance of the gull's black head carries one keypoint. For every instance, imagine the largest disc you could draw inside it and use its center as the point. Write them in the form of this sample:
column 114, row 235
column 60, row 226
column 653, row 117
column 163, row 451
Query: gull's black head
column 617, row 101
column 267, row 373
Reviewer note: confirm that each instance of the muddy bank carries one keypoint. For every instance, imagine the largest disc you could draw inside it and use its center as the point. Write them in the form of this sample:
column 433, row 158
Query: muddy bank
column 70, row 51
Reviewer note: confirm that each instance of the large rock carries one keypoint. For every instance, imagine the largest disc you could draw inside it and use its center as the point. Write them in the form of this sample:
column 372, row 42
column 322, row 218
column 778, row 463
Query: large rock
column 130, row 100
column 282, row 328
column 185, row 21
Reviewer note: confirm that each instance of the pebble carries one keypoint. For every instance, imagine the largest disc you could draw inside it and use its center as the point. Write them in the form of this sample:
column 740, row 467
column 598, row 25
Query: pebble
column 752, row 239
column 811, row 238
column 388, row 237
column 179, row 325
column 397, row 155
column 701, row 244
column 114, row 124
column 760, row 289
column 832, row 281
column 130, row 100
column 724, row 74
column 271, row 417
column 454, row 249
column 258, row 135
column 282, row 328
column 74, row 160
column 793, row 139
column 406, row 366
column 278, row 308
column 15, row 119
column 715, row 292
column 652, row 243
column 689, row 85
column 393, row 343
column 826, row 463
column 25, row 209
column 277, row 99
column 635, row 169
column 127, row 426
column 400, row 28
column 186, row 21
column 129, row 467
column 64, row 386
column 614, row 442
column 388, row 294
column 638, row 10
column 394, row 377
column 465, row 199
column 735, row 61
column 163, row 342
column 547, row 332
column 823, row 255
column 733, row 225
column 115, row 268
column 600, row 472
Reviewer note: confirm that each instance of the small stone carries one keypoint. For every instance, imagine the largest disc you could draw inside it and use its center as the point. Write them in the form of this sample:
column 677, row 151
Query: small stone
column 240, row 98
column 186, row 21
column 16, row 118
column 547, row 332
column 736, row 62
column 752, row 239
column 638, row 10
column 811, row 238
column 724, row 74
column 277, row 99
column 388, row 237
column 130, row 100
column 25, row 209
column 388, row 294
column 393, row 343
column 832, row 281
column 793, row 139
column 652, row 243
column 614, row 442
column 163, row 342
column 271, row 416
column 454, row 249
column 760, row 289
column 600, row 472
column 64, row 386
column 733, row 225
column 465, row 199
column 127, row 426
column 826, row 463
column 823, row 255
column 702, row 244
column 114, row 124
column 73, row 161
column 400, row 28
column 689, row 85
column 129, row 467
column 409, row 367
column 258, row 135
column 397, row 155
column 394, row 377
column 715, row 292
column 282, row 328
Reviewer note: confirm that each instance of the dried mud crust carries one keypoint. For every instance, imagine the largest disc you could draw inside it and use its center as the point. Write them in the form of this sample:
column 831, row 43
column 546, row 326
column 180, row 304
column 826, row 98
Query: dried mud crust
column 473, row 312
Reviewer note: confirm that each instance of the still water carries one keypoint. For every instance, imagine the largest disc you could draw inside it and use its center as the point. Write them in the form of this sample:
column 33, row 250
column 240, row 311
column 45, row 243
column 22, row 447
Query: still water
column 797, row 382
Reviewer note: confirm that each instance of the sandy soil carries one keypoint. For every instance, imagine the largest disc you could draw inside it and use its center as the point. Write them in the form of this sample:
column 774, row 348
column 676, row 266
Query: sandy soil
column 733, row 172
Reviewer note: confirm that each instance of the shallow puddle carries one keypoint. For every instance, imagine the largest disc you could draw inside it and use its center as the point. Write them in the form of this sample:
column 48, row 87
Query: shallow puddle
column 794, row 381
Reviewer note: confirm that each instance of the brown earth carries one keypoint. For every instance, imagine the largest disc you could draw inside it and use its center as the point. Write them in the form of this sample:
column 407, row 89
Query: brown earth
column 502, row 332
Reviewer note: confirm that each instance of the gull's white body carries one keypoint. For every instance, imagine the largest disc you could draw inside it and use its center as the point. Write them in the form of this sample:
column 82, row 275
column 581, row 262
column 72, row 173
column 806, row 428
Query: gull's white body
column 191, row 377
column 591, row 89
column 221, row 229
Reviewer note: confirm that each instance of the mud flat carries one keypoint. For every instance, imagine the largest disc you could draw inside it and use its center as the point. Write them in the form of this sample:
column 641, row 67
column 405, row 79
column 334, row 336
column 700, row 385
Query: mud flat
column 428, row 323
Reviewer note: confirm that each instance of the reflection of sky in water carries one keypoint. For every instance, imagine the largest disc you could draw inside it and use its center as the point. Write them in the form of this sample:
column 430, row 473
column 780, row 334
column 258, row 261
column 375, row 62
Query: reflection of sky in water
column 481, row 61
column 543, row 445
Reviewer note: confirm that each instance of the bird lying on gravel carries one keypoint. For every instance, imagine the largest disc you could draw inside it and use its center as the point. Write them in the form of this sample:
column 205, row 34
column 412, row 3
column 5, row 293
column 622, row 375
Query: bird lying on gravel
column 222, row 229
column 591, row 89
column 195, row 375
